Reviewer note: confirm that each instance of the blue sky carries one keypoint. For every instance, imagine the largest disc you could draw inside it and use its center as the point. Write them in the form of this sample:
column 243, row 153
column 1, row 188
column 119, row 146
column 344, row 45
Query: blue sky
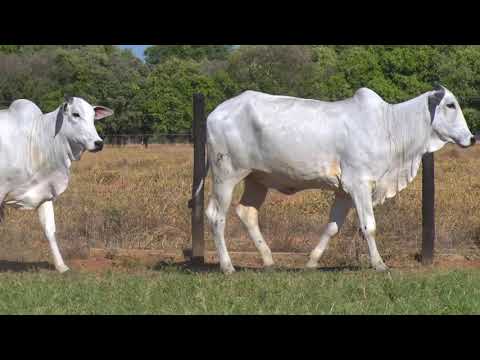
column 137, row 49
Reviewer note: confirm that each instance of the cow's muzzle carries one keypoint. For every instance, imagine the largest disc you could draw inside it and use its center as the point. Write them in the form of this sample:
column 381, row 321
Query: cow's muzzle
column 98, row 146
column 473, row 140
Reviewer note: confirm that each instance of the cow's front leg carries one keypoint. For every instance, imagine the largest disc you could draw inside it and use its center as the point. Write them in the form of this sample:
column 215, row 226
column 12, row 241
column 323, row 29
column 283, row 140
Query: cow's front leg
column 362, row 198
column 47, row 219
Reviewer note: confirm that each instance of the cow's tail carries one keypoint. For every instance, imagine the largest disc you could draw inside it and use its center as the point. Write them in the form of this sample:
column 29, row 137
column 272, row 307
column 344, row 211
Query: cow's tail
column 202, row 181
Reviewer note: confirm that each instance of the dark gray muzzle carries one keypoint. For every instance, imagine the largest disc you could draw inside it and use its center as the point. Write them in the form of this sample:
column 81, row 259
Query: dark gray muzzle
column 473, row 140
column 98, row 146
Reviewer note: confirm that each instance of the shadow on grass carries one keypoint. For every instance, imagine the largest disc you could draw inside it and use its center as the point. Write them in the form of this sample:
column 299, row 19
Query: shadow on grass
column 20, row 266
column 194, row 267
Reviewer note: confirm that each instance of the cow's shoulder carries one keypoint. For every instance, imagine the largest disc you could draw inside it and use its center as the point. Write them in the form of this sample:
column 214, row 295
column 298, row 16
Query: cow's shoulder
column 23, row 109
column 368, row 98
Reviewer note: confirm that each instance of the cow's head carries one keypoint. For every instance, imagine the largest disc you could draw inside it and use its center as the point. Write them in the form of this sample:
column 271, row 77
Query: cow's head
column 76, row 121
column 448, row 122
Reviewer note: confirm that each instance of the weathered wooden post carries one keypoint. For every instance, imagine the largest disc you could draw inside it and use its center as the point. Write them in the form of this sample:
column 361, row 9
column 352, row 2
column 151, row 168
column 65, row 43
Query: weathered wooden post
column 428, row 208
column 196, row 203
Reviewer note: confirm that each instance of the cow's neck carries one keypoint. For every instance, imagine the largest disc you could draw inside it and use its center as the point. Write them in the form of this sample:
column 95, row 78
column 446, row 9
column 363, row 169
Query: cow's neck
column 408, row 127
column 408, row 133
column 50, row 152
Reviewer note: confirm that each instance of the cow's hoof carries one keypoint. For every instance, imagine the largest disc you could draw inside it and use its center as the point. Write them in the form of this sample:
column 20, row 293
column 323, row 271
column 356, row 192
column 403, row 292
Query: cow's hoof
column 311, row 265
column 269, row 268
column 381, row 267
column 268, row 263
column 228, row 270
column 63, row 269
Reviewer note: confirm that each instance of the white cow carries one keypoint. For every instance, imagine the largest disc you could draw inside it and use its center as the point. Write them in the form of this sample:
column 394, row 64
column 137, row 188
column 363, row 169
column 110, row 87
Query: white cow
column 36, row 151
column 362, row 148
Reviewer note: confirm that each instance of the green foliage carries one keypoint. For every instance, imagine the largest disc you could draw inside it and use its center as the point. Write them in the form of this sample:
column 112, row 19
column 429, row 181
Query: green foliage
column 103, row 75
column 157, row 54
column 168, row 91
column 473, row 118
column 276, row 69
column 156, row 96
column 10, row 49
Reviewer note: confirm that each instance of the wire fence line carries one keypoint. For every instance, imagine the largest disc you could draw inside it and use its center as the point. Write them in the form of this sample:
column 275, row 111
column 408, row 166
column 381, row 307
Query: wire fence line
column 147, row 139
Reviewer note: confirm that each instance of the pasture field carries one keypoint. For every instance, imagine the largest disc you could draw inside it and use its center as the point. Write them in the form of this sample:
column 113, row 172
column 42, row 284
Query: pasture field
column 136, row 198
column 173, row 290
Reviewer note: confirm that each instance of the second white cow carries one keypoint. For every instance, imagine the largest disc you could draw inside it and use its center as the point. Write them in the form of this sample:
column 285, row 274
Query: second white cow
column 362, row 148
column 36, row 152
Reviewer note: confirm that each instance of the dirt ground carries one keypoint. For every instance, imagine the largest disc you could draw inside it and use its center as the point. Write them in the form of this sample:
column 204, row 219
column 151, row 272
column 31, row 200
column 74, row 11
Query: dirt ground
column 102, row 260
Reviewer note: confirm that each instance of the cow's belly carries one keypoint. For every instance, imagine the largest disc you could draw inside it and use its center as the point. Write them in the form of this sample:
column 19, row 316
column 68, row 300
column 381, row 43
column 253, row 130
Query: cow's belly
column 28, row 200
column 290, row 184
column 31, row 197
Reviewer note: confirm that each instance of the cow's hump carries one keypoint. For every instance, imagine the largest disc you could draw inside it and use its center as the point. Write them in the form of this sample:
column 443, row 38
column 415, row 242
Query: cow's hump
column 368, row 97
column 24, row 109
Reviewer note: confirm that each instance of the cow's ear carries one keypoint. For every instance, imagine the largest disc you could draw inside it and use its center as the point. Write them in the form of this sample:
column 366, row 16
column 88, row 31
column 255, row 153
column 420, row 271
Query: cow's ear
column 59, row 122
column 68, row 99
column 102, row 112
column 438, row 91
column 434, row 99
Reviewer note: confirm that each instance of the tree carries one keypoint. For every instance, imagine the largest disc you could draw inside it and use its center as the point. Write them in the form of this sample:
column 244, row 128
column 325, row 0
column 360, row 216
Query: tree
column 157, row 54
column 326, row 80
column 277, row 69
column 10, row 49
column 101, row 74
column 167, row 94
column 157, row 96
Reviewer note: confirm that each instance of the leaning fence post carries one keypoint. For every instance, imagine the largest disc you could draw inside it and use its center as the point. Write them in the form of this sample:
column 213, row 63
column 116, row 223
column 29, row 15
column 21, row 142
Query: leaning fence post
column 196, row 203
column 428, row 208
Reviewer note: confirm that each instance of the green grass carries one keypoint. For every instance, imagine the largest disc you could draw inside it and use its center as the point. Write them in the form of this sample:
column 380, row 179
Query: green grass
column 173, row 291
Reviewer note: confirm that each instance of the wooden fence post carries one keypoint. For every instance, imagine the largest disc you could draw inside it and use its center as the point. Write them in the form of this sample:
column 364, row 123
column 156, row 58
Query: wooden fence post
column 428, row 208
column 197, row 202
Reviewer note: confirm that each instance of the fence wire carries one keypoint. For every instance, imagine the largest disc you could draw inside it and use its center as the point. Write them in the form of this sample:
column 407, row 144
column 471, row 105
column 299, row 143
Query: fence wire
column 147, row 139
column 138, row 200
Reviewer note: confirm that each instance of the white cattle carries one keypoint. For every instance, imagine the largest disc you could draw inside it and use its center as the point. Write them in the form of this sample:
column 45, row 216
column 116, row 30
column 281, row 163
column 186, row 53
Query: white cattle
column 36, row 151
column 362, row 148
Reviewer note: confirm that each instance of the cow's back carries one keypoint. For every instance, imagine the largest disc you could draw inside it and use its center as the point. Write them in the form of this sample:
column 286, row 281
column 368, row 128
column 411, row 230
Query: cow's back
column 261, row 126
column 264, row 112
column 296, row 139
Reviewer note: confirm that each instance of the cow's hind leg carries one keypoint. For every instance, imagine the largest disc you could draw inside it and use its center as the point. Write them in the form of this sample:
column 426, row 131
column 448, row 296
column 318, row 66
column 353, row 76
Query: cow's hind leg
column 47, row 219
column 247, row 210
column 216, row 214
column 338, row 214
column 362, row 199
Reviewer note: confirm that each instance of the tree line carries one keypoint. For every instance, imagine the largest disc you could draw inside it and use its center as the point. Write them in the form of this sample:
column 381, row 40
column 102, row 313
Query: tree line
column 155, row 96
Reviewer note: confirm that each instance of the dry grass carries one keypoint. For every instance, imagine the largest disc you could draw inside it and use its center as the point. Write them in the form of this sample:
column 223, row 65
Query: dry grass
column 137, row 198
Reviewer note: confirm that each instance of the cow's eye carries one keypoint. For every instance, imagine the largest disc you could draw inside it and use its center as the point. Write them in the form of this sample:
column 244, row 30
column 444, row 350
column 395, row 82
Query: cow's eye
column 451, row 106
column 76, row 115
